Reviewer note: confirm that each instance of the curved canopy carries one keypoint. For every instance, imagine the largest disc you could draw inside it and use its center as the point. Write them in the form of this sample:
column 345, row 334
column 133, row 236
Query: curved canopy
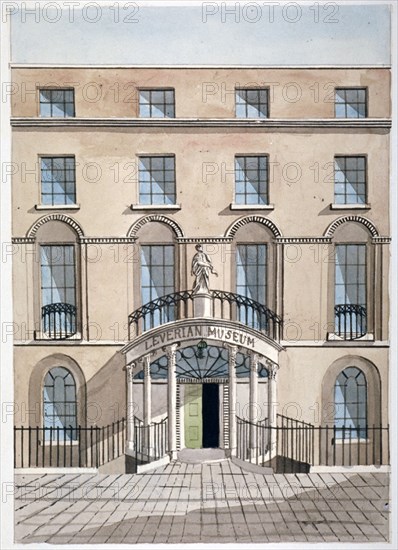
column 201, row 364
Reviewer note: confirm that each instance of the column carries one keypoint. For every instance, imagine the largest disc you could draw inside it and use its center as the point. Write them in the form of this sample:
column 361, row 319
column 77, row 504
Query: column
column 147, row 403
column 253, row 402
column 272, row 404
column 172, row 400
column 232, row 351
column 130, row 404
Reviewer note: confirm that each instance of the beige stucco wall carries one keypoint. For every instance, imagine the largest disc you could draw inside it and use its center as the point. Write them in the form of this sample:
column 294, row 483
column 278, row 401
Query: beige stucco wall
column 207, row 93
column 205, row 188
column 204, row 175
column 301, row 378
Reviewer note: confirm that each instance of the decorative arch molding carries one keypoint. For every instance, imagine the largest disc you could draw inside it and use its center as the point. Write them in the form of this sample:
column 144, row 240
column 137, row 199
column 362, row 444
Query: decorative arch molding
column 36, row 382
column 255, row 218
column 352, row 218
column 373, row 382
column 132, row 232
column 57, row 218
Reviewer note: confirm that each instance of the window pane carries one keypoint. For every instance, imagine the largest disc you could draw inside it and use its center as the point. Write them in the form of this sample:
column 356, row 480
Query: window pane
column 157, row 278
column 60, row 407
column 350, row 103
column 157, row 103
column 350, row 399
column 251, row 180
column 57, row 103
column 251, row 103
column 157, row 180
column 58, row 180
column 350, row 180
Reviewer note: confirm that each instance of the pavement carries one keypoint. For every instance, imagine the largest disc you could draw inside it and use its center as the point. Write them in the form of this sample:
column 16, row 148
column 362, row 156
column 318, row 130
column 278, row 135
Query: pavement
column 193, row 503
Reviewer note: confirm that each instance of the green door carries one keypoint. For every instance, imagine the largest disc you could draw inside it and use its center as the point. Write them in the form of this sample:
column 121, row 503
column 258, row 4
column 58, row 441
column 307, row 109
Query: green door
column 193, row 416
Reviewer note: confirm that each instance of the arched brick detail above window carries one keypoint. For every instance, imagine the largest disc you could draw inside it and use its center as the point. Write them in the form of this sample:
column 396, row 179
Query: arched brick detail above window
column 357, row 219
column 232, row 230
column 132, row 232
column 55, row 218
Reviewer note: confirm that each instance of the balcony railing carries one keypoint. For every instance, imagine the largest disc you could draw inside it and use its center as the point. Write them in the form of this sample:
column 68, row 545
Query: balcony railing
column 224, row 305
column 350, row 321
column 59, row 320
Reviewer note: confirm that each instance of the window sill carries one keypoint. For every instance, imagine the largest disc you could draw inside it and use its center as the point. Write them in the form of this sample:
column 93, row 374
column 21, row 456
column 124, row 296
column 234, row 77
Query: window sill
column 335, row 206
column 57, row 207
column 251, row 206
column 38, row 335
column 333, row 337
column 155, row 207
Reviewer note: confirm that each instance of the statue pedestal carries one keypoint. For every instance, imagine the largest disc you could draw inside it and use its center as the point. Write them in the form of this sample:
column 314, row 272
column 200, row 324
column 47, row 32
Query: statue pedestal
column 202, row 305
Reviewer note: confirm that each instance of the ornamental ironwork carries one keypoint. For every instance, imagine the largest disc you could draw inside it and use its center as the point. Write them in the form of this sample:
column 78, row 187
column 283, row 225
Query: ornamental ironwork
column 212, row 365
column 59, row 320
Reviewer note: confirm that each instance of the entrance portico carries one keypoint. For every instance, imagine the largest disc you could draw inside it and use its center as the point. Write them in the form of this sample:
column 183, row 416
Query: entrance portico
column 230, row 363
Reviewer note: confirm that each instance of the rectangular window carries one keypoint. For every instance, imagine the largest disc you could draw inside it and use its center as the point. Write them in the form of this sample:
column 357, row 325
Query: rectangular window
column 157, row 103
column 58, row 290
column 251, row 180
column 350, row 290
column 350, row 103
column 157, row 180
column 58, row 181
column 251, row 279
column 350, row 180
column 251, row 102
column 157, row 280
column 57, row 103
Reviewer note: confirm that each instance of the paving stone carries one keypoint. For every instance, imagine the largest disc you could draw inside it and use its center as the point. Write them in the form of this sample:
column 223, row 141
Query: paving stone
column 209, row 503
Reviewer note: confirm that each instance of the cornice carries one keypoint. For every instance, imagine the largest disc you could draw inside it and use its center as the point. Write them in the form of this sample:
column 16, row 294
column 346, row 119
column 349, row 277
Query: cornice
column 357, row 67
column 108, row 240
column 23, row 240
column 200, row 240
column 204, row 240
column 269, row 123
column 381, row 240
column 303, row 240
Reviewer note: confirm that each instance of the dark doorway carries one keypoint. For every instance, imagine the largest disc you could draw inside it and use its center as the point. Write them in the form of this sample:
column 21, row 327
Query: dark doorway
column 210, row 415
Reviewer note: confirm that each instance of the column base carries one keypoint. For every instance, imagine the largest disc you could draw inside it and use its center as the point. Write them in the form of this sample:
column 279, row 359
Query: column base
column 172, row 455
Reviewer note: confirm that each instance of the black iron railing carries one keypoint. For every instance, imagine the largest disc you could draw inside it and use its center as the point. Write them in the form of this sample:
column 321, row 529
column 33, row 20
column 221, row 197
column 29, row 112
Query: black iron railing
column 75, row 447
column 150, row 441
column 224, row 305
column 299, row 445
column 247, row 311
column 252, row 440
column 295, row 445
column 171, row 307
column 59, row 320
column 350, row 321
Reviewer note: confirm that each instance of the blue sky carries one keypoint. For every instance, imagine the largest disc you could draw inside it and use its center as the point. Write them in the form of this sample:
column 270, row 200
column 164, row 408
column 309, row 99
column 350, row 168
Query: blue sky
column 204, row 34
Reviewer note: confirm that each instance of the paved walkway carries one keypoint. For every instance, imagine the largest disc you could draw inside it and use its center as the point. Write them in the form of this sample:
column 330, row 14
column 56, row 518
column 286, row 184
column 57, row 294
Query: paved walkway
column 191, row 503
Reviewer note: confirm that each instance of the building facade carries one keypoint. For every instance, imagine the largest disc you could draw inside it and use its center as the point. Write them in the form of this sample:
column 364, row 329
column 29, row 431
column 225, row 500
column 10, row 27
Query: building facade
column 203, row 252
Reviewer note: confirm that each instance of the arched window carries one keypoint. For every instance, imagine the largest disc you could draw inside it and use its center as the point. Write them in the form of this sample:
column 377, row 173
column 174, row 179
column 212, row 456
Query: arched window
column 350, row 399
column 59, row 404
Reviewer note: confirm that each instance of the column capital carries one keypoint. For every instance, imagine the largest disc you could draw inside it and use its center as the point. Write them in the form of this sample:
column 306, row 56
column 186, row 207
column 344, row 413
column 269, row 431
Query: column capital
column 129, row 370
column 272, row 369
column 146, row 364
column 232, row 351
column 254, row 358
column 171, row 350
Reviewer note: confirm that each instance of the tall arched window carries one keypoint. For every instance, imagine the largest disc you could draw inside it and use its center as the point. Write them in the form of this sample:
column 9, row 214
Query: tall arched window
column 59, row 404
column 350, row 399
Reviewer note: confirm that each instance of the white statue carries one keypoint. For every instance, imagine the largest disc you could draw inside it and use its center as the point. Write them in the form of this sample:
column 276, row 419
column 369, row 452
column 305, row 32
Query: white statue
column 201, row 269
